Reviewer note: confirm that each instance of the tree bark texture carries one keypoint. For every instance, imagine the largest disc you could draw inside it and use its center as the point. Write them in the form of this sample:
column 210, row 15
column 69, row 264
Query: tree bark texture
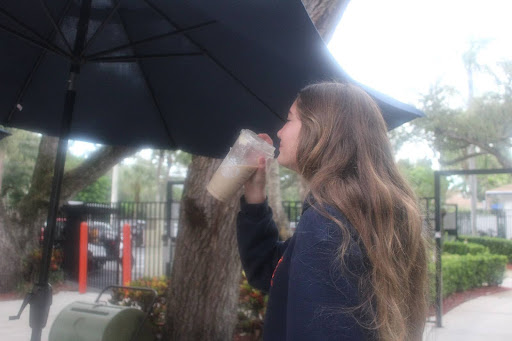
column 158, row 173
column 325, row 14
column 205, row 278
column 206, row 272
column 11, row 253
column 19, row 228
column 275, row 199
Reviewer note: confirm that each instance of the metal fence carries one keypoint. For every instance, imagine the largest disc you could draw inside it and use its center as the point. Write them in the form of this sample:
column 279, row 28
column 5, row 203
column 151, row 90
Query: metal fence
column 293, row 210
column 153, row 231
column 154, row 228
column 492, row 223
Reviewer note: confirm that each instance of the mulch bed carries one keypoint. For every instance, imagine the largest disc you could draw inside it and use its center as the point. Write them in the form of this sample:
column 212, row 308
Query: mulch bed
column 458, row 298
column 9, row 296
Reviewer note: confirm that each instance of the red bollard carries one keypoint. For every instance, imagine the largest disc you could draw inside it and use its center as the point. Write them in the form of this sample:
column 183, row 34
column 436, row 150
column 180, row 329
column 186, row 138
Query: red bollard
column 82, row 258
column 127, row 254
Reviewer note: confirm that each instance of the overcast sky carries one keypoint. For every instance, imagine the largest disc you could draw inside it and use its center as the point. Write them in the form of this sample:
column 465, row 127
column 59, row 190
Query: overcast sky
column 401, row 47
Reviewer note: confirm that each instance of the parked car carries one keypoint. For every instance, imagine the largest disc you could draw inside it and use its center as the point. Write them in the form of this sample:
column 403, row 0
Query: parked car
column 100, row 231
column 137, row 228
column 96, row 256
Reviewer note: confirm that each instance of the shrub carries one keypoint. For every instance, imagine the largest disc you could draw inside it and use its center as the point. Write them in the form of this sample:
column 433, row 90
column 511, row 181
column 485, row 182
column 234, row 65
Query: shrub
column 497, row 246
column 143, row 299
column 252, row 304
column 463, row 272
column 461, row 248
column 32, row 265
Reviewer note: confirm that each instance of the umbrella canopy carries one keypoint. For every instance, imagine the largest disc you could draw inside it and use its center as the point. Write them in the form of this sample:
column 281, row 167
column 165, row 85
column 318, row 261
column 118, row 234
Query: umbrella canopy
column 163, row 74
column 157, row 73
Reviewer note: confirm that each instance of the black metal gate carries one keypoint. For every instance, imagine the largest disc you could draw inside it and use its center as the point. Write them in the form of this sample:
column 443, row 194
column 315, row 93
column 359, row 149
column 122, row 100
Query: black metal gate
column 150, row 240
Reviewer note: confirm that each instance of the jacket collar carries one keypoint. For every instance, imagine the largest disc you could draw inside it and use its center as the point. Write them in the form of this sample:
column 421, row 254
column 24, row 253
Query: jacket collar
column 308, row 202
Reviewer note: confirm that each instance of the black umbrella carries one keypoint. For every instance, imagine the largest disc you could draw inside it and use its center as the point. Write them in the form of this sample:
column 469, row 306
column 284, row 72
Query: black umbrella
column 157, row 73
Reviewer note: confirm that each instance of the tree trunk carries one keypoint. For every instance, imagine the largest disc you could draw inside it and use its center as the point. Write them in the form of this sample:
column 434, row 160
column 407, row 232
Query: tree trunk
column 325, row 14
column 20, row 229
column 158, row 173
column 275, row 200
column 168, row 167
column 167, row 177
column 12, row 253
column 206, row 271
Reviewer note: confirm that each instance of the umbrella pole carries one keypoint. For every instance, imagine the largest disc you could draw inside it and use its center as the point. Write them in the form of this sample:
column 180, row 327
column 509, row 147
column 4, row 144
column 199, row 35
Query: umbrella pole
column 41, row 299
column 41, row 296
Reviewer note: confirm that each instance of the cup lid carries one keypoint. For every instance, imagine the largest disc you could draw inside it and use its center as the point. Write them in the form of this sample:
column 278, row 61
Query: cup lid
column 249, row 137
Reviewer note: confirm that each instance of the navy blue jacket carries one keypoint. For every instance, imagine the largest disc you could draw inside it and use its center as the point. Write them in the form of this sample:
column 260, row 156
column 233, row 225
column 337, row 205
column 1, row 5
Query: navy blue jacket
column 307, row 287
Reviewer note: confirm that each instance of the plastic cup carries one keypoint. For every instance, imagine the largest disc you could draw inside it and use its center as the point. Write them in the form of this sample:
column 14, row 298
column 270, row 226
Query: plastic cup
column 238, row 166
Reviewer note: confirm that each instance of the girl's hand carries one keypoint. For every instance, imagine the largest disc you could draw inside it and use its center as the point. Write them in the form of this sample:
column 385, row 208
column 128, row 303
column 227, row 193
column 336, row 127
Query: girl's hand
column 255, row 186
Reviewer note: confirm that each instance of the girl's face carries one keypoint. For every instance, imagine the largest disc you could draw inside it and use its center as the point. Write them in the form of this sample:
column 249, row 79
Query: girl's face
column 289, row 140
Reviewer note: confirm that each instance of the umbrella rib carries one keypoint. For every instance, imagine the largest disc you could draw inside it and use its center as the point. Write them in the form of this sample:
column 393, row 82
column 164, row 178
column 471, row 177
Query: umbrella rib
column 100, row 29
column 32, row 72
column 143, row 57
column 151, row 91
column 215, row 60
column 25, row 87
column 55, row 26
column 41, row 44
column 138, row 42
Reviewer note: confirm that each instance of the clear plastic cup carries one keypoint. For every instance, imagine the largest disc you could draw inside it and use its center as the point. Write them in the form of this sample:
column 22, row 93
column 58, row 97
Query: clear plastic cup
column 238, row 166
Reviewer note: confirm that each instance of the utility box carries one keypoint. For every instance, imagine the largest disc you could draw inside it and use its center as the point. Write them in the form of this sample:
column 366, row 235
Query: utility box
column 99, row 322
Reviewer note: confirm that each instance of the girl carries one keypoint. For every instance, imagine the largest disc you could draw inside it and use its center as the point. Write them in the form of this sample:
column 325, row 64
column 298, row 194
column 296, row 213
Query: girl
column 356, row 267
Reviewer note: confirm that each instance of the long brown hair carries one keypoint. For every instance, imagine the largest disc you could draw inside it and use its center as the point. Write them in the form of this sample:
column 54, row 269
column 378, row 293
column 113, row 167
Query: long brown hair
column 346, row 157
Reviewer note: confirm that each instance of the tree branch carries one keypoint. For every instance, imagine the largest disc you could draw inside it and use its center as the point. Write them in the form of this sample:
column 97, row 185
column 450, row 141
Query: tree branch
column 459, row 159
column 502, row 159
column 91, row 169
column 34, row 205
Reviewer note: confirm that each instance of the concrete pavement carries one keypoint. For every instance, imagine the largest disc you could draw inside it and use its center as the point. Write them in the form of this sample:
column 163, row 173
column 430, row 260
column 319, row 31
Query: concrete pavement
column 19, row 330
column 486, row 318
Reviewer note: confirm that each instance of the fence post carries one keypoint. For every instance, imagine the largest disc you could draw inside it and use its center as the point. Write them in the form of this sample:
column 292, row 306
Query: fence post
column 82, row 258
column 438, row 236
column 127, row 254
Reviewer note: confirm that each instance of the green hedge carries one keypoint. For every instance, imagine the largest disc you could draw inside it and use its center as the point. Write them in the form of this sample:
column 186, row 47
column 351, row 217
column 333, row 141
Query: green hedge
column 461, row 248
column 498, row 246
column 463, row 272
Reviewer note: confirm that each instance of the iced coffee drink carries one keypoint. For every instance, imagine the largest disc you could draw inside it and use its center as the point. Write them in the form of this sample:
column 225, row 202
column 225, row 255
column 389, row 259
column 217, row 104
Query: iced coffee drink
column 238, row 166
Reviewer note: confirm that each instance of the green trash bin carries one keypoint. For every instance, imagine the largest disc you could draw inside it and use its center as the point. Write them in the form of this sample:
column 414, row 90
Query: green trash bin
column 82, row 321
